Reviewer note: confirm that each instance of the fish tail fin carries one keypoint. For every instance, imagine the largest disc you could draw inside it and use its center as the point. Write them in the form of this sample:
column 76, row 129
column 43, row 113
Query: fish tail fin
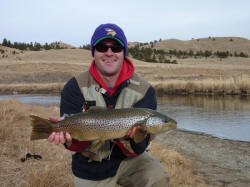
column 41, row 128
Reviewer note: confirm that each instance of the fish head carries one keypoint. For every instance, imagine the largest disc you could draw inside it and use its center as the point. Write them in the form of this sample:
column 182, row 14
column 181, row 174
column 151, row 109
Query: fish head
column 159, row 122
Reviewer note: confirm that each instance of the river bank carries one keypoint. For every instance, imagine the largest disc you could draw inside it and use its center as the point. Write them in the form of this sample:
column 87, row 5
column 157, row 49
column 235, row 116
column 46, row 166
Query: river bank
column 219, row 162
column 168, row 87
column 192, row 159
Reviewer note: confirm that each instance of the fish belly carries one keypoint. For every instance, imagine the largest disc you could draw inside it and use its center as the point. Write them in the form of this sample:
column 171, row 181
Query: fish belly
column 89, row 135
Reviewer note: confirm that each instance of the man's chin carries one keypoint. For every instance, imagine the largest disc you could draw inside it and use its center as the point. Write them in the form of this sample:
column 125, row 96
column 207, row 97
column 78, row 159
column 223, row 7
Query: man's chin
column 108, row 73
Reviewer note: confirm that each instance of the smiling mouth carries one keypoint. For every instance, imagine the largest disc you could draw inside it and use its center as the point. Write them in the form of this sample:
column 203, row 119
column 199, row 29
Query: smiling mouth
column 108, row 61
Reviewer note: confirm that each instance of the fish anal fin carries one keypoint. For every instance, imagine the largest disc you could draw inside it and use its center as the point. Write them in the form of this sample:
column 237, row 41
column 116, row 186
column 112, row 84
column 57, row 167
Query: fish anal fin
column 93, row 148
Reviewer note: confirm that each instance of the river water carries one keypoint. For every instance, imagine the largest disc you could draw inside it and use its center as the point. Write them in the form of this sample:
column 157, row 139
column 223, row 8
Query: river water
column 225, row 117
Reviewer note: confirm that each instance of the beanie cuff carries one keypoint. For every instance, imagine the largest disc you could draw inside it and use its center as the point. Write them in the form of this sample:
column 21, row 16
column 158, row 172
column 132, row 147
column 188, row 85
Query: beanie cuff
column 112, row 37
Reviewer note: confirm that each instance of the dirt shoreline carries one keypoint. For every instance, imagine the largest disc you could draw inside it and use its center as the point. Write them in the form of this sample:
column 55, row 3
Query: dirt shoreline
column 220, row 162
column 44, row 90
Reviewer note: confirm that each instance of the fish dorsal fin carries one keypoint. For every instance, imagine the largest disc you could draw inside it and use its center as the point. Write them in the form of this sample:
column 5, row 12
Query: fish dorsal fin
column 96, row 108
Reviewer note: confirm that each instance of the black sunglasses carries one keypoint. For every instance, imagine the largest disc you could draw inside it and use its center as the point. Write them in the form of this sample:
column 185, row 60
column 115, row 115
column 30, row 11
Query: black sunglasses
column 101, row 47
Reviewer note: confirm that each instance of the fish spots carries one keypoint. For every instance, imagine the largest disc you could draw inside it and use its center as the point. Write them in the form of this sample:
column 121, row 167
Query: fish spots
column 108, row 123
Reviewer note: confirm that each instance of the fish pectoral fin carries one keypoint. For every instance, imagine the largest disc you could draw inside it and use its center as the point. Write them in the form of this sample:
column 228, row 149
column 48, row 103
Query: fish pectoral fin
column 140, row 134
column 93, row 148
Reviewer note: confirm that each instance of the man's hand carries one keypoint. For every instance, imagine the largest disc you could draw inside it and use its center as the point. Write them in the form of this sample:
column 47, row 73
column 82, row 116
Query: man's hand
column 138, row 129
column 59, row 137
column 131, row 133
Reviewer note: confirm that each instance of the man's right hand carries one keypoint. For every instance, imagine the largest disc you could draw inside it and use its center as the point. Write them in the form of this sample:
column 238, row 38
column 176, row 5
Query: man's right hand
column 59, row 137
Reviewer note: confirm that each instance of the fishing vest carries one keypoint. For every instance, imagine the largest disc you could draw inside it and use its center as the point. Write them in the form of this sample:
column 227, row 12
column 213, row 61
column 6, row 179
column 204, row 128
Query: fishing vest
column 130, row 95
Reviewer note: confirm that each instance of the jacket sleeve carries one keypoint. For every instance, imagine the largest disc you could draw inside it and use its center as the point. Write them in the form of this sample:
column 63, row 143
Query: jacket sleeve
column 148, row 101
column 71, row 98
column 71, row 103
column 130, row 148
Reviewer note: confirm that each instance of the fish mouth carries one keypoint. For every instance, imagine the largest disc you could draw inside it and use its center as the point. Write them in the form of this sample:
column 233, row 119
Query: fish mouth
column 172, row 124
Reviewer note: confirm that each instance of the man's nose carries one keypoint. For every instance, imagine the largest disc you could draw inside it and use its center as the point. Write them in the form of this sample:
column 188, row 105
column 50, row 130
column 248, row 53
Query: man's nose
column 109, row 52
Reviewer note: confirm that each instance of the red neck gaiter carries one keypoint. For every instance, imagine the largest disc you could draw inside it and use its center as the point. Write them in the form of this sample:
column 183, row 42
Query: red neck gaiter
column 126, row 72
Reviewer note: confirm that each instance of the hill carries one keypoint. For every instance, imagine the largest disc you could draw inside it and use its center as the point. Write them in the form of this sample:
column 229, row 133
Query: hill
column 35, row 46
column 231, row 44
column 63, row 45
column 26, row 71
column 46, row 71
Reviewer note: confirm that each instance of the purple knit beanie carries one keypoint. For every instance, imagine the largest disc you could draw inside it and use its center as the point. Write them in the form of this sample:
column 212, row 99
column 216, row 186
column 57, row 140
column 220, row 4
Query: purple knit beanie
column 109, row 30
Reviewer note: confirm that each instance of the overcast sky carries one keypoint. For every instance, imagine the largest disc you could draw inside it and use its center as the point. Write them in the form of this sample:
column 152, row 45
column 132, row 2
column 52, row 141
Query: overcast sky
column 74, row 21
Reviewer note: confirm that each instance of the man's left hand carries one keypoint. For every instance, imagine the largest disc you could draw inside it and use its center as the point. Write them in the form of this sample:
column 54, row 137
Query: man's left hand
column 131, row 133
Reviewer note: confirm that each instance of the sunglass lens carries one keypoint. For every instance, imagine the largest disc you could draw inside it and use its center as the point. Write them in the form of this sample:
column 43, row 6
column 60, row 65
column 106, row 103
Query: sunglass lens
column 104, row 48
column 116, row 48
column 101, row 48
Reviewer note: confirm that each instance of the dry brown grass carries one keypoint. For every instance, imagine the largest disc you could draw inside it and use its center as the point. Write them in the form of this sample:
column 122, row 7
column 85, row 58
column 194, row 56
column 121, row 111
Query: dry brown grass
column 46, row 88
column 54, row 169
column 227, row 86
column 231, row 44
column 43, row 70
column 178, row 167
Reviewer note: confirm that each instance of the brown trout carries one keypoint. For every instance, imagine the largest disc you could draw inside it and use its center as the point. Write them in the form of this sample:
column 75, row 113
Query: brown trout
column 105, row 124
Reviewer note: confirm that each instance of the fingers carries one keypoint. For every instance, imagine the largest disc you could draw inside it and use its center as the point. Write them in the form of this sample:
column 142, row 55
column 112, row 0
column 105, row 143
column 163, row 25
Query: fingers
column 56, row 119
column 68, row 137
column 137, row 130
column 61, row 138
column 131, row 133
column 52, row 137
column 58, row 138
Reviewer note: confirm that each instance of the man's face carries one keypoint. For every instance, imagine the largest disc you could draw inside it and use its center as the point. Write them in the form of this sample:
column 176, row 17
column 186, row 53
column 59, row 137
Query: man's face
column 109, row 62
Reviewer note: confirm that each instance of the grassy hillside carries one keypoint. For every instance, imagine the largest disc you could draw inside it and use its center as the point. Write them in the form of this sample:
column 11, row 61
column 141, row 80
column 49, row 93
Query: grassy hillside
column 46, row 71
column 231, row 44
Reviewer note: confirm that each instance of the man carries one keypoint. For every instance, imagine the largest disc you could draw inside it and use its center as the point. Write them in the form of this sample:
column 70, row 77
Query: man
column 110, row 82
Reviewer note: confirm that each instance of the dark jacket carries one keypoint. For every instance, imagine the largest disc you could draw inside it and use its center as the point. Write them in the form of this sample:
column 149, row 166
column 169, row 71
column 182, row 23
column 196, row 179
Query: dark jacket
column 72, row 101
